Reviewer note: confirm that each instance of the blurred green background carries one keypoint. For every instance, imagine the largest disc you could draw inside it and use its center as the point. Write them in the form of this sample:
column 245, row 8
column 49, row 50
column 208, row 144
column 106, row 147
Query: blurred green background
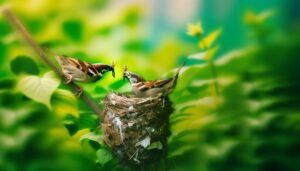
column 253, row 123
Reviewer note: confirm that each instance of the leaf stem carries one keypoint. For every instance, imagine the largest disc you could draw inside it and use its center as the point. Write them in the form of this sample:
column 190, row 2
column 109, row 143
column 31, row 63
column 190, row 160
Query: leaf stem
column 12, row 18
column 215, row 75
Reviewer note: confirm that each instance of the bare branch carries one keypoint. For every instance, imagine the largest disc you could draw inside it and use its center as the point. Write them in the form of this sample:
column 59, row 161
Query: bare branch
column 41, row 53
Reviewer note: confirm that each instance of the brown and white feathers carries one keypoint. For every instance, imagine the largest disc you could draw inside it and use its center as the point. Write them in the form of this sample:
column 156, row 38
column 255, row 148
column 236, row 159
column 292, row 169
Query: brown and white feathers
column 77, row 70
column 142, row 88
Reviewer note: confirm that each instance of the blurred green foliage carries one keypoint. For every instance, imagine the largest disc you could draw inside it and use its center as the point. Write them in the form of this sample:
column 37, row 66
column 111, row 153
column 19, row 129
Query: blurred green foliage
column 253, row 124
column 73, row 29
column 23, row 64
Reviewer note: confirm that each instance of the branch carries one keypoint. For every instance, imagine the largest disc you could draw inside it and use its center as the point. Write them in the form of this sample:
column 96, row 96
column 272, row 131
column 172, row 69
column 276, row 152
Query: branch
column 20, row 28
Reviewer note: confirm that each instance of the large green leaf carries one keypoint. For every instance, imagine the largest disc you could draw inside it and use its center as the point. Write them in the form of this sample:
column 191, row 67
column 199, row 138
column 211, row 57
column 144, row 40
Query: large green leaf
column 39, row 89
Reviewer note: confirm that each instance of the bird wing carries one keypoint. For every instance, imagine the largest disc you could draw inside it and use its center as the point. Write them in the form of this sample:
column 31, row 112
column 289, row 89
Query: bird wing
column 160, row 83
column 143, row 86
column 84, row 67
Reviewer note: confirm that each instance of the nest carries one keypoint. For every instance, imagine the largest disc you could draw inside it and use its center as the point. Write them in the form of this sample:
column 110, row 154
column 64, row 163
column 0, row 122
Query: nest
column 136, row 129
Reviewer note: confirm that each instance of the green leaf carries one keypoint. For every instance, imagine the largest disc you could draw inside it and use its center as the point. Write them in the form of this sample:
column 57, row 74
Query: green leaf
column 200, row 55
column 210, row 39
column 211, row 53
column 64, row 102
column 24, row 64
column 39, row 89
column 88, row 120
column 187, row 76
column 7, row 83
column 92, row 137
column 69, row 119
column 180, row 150
column 155, row 145
column 66, row 96
column 257, row 19
column 177, row 118
column 70, row 123
column 73, row 29
column 103, row 156
column 207, row 55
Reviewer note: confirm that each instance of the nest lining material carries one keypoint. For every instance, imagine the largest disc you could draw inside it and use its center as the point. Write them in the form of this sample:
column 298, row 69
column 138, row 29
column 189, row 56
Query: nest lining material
column 136, row 129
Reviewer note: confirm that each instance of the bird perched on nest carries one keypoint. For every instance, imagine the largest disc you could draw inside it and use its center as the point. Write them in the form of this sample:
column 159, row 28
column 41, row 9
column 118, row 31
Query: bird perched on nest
column 77, row 70
column 143, row 88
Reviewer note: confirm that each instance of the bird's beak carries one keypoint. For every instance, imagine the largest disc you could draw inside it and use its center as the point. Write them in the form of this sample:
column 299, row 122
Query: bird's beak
column 124, row 76
column 113, row 73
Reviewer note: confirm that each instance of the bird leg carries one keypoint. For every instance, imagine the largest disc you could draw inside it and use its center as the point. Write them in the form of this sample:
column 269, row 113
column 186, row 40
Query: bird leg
column 68, row 80
column 79, row 91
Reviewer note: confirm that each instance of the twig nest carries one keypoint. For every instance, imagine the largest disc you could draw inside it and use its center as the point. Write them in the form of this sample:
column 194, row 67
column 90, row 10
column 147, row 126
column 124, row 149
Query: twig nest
column 136, row 129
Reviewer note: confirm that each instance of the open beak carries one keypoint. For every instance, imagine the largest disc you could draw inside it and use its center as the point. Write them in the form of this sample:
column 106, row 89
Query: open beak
column 124, row 72
column 124, row 76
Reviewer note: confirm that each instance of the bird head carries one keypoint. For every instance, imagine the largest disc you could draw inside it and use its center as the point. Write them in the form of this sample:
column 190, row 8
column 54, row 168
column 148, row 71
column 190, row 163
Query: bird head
column 131, row 77
column 103, row 68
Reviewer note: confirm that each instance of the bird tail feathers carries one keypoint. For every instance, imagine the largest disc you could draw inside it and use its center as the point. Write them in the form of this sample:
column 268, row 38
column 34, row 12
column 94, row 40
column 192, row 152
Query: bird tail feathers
column 175, row 77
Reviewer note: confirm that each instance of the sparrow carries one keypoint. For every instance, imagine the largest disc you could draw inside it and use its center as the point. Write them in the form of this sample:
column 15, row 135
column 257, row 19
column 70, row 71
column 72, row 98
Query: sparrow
column 81, row 71
column 143, row 88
